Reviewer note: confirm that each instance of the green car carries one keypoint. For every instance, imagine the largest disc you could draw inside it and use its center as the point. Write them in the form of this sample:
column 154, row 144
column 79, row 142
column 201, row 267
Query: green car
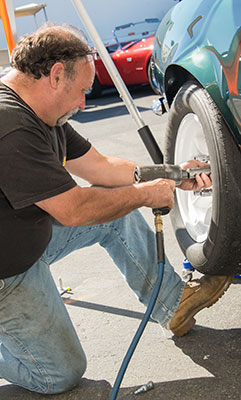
column 197, row 69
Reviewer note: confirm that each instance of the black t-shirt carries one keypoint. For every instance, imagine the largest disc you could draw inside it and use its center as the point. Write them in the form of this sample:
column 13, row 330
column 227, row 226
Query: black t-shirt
column 32, row 158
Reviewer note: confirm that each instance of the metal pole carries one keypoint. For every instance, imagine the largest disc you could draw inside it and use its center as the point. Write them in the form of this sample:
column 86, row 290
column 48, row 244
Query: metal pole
column 110, row 66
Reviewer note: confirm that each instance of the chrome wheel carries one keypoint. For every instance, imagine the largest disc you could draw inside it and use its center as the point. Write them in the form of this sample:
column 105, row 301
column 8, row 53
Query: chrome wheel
column 195, row 207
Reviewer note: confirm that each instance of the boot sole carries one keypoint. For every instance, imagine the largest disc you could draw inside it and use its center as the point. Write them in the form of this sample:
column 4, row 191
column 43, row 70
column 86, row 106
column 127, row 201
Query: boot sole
column 189, row 322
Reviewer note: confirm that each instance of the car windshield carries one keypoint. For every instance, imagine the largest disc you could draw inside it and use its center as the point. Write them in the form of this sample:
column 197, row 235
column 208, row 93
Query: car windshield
column 135, row 31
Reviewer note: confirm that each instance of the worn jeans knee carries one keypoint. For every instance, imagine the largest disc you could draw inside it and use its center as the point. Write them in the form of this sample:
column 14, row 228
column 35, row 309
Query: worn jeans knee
column 69, row 376
column 39, row 348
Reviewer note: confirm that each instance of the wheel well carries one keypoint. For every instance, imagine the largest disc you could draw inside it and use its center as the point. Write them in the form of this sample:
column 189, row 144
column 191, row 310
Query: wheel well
column 175, row 77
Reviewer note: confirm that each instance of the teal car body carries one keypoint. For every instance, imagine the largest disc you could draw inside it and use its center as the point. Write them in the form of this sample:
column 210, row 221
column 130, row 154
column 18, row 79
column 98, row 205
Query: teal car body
column 201, row 39
column 197, row 70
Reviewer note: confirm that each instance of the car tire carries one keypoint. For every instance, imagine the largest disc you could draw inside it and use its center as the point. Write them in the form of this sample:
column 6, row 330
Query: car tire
column 151, row 77
column 208, row 228
column 95, row 90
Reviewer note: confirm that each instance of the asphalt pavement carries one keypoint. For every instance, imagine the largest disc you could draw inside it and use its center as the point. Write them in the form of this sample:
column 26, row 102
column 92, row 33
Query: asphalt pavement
column 205, row 364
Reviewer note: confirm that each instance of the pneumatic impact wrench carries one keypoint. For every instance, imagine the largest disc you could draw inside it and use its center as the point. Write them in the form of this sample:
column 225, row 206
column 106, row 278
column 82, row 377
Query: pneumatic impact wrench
column 168, row 171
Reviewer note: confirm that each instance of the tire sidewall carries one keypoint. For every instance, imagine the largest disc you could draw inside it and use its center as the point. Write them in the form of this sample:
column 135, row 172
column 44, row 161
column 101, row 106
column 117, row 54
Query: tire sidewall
column 192, row 98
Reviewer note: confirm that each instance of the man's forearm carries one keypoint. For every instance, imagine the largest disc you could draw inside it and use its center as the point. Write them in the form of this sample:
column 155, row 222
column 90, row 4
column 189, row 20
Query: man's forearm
column 119, row 172
column 102, row 170
column 103, row 205
column 93, row 205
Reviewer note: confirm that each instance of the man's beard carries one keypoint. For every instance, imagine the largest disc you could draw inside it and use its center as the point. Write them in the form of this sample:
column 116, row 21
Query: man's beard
column 62, row 120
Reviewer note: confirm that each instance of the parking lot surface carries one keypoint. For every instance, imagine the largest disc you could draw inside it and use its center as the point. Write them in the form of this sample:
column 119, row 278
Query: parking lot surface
column 206, row 363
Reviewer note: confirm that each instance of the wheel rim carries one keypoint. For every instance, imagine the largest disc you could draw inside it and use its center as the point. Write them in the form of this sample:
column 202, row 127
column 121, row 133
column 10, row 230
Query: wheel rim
column 195, row 207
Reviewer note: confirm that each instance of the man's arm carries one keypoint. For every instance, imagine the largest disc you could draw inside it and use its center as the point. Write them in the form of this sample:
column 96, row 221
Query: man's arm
column 100, row 170
column 95, row 205
column 107, row 171
column 113, row 194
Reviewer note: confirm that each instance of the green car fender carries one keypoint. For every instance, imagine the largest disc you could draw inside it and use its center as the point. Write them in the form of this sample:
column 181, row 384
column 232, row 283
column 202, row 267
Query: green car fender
column 203, row 65
column 188, row 46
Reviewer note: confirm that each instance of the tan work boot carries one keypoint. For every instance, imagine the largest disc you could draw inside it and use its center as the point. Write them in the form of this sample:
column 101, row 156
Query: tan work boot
column 198, row 294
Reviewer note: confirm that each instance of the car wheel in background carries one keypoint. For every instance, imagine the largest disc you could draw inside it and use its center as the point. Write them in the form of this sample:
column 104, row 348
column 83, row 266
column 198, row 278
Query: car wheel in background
column 207, row 224
column 95, row 90
column 151, row 77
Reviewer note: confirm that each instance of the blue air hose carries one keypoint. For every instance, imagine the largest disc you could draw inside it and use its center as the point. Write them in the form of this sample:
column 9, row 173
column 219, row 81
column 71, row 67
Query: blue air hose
column 161, row 262
column 139, row 332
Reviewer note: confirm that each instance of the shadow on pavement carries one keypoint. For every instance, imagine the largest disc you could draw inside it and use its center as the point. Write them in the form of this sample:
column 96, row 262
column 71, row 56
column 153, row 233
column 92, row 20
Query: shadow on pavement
column 217, row 351
column 87, row 390
column 106, row 309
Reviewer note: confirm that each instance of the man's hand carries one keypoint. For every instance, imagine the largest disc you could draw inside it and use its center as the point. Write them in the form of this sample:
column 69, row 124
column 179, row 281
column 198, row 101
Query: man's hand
column 159, row 193
column 200, row 181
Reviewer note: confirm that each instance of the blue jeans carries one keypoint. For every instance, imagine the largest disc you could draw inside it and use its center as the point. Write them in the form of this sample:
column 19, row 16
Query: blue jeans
column 39, row 348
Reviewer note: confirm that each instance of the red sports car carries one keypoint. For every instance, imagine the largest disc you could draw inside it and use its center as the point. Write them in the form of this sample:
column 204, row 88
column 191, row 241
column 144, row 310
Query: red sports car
column 132, row 55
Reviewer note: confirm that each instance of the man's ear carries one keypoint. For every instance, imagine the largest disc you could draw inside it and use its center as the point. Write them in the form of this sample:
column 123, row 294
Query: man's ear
column 56, row 75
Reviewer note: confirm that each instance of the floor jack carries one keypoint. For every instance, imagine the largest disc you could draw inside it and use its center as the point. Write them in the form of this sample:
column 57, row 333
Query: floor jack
column 141, row 174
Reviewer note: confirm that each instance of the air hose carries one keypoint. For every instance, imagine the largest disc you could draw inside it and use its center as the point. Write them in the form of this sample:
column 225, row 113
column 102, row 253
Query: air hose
column 161, row 262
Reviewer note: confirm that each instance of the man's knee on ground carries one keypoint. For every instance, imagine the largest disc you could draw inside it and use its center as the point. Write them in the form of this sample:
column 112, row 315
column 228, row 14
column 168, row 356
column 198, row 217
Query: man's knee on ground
column 71, row 377
column 70, row 380
column 64, row 378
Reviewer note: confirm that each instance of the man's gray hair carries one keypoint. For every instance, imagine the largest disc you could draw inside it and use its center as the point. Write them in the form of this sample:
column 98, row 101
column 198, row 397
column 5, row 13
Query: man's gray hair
column 36, row 53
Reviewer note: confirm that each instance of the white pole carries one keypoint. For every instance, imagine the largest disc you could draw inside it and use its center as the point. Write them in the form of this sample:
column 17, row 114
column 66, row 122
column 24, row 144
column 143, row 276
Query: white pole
column 110, row 66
